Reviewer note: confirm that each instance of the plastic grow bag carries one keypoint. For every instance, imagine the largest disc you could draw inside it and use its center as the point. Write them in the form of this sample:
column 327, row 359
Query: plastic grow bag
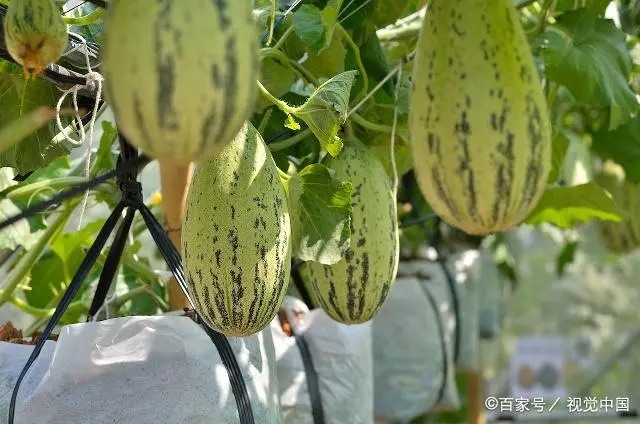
column 138, row 370
column 341, row 361
column 413, row 347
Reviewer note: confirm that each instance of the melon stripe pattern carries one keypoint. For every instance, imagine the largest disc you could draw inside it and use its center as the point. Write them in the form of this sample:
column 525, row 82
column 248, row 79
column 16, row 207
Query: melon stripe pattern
column 236, row 237
column 180, row 75
column 35, row 34
column 624, row 236
column 353, row 290
column 479, row 127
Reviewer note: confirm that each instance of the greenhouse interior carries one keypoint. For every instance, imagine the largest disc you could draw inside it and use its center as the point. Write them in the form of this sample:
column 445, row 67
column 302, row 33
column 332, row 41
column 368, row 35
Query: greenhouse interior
column 313, row 211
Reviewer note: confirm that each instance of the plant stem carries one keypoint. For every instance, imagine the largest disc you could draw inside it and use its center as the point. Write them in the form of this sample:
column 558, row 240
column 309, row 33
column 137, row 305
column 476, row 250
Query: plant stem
column 25, row 263
column 402, row 33
column 284, row 176
column 359, row 64
column 370, row 125
column 265, row 121
column 281, row 145
column 45, row 313
column 283, row 106
column 290, row 63
column 16, row 191
column 284, row 37
column 86, row 19
column 273, row 21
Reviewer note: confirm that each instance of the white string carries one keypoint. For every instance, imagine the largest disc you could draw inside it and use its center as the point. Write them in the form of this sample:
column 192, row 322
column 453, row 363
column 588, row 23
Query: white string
column 92, row 79
column 106, row 307
column 394, row 187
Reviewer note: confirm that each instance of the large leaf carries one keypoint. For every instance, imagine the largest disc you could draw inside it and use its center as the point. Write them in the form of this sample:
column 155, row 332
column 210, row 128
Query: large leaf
column 326, row 110
column 559, row 146
column 588, row 55
column 621, row 145
column 387, row 12
column 330, row 62
column 314, row 26
column 320, row 207
column 16, row 234
column 565, row 207
column 38, row 149
column 380, row 145
column 598, row 6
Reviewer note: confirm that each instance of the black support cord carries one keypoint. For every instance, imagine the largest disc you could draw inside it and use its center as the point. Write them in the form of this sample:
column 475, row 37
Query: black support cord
column 417, row 221
column 72, row 192
column 100, row 3
column 443, row 343
column 82, row 273
column 313, row 382
column 436, row 242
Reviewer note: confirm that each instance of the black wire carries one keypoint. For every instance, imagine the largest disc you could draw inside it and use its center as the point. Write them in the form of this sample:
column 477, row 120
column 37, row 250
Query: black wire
column 436, row 243
column 74, row 7
column 83, row 270
column 72, row 192
column 100, row 3
column 417, row 221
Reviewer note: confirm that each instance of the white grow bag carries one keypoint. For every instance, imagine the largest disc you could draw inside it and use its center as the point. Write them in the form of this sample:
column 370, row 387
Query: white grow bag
column 414, row 370
column 138, row 370
column 341, row 356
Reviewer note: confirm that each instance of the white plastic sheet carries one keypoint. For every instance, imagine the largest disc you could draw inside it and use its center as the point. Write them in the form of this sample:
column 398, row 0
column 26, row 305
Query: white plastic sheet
column 139, row 370
column 409, row 355
column 341, row 355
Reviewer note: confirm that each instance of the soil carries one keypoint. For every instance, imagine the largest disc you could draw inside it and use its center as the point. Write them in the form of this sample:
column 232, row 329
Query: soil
column 8, row 333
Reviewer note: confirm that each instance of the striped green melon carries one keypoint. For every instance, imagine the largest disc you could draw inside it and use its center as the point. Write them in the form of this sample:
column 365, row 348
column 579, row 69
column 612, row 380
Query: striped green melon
column 180, row 75
column 479, row 127
column 236, row 237
column 35, row 34
column 353, row 290
column 624, row 236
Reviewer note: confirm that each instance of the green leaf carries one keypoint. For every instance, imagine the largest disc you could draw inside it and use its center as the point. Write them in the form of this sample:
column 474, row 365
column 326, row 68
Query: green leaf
column 328, row 63
column 386, row 12
column 326, row 110
column 308, row 25
column 588, row 55
column 621, row 145
column 320, row 208
column 314, row 26
column 67, row 244
column 16, row 234
column 598, row 6
column 39, row 149
column 565, row 207
column 105, row 159
column 566, row 257
column 559, row 145
column 142, row 304
column 380, row 145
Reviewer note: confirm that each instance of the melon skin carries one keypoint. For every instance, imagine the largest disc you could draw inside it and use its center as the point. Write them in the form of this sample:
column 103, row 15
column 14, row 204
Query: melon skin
column 353, row 290
column 236, row 237
column 35, row 34
column 180, row 75
column 624, row 236
column 480, row 134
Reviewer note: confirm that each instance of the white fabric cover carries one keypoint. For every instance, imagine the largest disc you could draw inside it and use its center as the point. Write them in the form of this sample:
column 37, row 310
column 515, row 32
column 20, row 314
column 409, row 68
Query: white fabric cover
column 341, row 356
column 138, row 370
